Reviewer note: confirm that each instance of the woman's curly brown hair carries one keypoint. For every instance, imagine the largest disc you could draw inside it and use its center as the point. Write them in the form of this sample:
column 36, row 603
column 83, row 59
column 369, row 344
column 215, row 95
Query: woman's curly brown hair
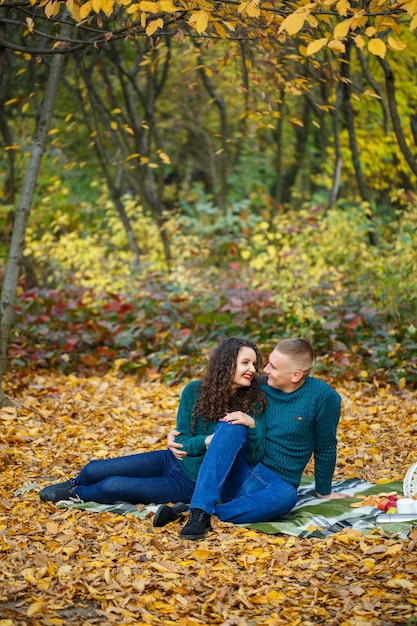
column 215, row 398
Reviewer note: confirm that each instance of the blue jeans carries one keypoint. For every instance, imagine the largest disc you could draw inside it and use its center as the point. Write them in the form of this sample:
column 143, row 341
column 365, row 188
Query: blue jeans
column 150, row 477
column 233, row 490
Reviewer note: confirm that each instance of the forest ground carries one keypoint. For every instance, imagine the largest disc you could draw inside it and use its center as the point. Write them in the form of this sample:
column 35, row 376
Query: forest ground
column 65, row 566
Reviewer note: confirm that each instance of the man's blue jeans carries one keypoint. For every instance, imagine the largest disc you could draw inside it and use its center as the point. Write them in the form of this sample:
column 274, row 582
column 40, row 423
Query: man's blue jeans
column 233, row 490
column 138, row 478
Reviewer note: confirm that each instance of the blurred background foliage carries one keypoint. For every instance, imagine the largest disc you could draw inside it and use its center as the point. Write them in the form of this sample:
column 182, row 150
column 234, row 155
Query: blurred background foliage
column 192, row 191
column 308, row 273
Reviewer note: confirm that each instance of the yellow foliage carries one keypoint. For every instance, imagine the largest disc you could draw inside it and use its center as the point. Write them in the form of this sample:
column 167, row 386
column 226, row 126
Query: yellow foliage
column 342, row 29
column 315, row 46
column 199, row 20
column 337, row 45
column 250, row 7
column 85, row 9
column 396, row 44
column 107, row 7
column 377, row 47
column 147, row 6
column 410, row 6
column 128, row 572
column 153, row 26
column 293, row 23
column 52, row 8
column 343, row 6
column 220, row 30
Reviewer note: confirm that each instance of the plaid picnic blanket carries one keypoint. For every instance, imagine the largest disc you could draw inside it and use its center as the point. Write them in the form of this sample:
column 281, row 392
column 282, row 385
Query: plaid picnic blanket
column 315, row 517
column 311, row 517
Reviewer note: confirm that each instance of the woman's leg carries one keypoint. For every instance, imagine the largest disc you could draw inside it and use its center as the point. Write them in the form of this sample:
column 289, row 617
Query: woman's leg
column 224, row 468
column 151, row 477
column 144, row 465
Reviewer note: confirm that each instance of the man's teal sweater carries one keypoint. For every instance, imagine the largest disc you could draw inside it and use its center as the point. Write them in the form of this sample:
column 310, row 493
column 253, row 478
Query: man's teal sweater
column 300, row 424
column 194, row 444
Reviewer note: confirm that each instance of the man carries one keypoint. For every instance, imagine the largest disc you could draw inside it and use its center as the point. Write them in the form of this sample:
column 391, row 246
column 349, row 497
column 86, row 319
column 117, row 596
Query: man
column 301, row 420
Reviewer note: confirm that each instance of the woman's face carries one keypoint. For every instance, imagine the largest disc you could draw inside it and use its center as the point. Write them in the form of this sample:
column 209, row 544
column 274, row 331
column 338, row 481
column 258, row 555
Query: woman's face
column 245, row 368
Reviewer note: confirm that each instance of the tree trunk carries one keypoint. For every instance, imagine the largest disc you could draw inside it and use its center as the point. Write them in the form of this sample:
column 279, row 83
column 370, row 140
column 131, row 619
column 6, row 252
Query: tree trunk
column 115, row 189
column 8, row 294
column 395, row 118
column 224, row 158
column 9, row 178
column 278, row 134
column 337, row 149
column 301, row 133
column 363, row 189
column 373, row 83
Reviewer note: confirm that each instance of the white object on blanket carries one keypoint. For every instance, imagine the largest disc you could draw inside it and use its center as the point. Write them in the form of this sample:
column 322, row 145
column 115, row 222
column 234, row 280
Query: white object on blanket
column 406, row 505
column 410, row 482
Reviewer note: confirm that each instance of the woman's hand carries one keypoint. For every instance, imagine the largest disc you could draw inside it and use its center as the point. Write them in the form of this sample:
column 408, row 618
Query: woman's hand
column 176, row 448
column 238, row 417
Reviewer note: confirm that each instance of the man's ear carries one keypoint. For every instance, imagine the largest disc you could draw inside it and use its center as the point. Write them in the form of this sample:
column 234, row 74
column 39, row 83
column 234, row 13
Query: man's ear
column 296, row 376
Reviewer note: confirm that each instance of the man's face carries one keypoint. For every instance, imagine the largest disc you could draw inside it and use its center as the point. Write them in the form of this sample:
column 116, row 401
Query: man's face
column 281, row 371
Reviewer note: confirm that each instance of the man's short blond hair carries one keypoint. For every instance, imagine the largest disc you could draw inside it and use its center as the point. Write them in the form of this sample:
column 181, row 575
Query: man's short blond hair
column 299, row 350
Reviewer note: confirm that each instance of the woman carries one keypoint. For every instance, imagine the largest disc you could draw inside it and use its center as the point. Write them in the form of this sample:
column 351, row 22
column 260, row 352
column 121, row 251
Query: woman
column 229, row 384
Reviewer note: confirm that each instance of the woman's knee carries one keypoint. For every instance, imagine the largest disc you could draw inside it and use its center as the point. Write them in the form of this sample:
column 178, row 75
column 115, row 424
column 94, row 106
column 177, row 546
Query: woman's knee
column 88, row 474
column 231, row 432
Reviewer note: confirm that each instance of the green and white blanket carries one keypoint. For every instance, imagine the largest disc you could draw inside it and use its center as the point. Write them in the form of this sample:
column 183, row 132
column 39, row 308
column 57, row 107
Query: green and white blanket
column 311, row 517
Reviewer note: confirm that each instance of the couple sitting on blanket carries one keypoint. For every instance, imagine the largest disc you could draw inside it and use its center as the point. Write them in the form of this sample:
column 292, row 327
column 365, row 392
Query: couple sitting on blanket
column 240, row 446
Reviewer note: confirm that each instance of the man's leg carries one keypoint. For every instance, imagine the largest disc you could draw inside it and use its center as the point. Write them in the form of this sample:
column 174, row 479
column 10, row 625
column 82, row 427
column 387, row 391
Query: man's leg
column 264, row 497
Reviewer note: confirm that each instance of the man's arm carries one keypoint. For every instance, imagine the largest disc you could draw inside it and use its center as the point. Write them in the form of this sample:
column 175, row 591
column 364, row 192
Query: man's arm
column 325, row 450
column 177, row 449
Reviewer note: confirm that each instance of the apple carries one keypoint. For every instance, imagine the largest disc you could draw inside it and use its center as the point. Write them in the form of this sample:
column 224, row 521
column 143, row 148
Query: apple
column 382, row 504
column 392, row 510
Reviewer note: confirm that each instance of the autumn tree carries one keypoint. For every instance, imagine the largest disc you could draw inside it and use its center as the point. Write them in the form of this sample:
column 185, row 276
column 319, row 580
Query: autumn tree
column 307, row 107
column 8, row 293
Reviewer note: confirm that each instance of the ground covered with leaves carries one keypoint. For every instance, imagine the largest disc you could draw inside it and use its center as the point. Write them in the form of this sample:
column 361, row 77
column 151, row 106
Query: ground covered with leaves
column 65, row 566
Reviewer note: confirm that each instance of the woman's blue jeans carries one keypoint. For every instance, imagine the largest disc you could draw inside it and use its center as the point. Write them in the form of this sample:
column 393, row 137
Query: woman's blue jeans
column 150, row 477
column 233, row 490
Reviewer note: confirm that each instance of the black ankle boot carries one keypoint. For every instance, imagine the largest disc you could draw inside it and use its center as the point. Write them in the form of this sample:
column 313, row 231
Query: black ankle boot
column 198, row 525
column 166, row 514
column 59, row 491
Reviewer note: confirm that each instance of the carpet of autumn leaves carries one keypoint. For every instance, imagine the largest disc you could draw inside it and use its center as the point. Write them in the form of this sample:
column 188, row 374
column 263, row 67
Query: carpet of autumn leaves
column 65, row 566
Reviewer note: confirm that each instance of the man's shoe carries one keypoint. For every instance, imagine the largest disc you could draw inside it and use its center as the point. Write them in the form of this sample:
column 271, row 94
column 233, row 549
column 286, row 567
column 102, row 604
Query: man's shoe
column 166, row 514
column 198, row 525
column 59, row 491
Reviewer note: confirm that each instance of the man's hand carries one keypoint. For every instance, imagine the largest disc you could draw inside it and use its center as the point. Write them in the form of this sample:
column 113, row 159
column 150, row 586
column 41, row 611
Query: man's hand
column 334, row 495
column 176, row 448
